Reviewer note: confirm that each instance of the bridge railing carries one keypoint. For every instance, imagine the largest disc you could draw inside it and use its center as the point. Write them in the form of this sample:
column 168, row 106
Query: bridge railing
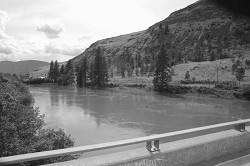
column 152, row 142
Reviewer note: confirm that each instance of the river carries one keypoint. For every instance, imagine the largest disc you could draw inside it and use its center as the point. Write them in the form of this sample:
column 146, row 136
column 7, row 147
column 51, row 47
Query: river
column 97, row 116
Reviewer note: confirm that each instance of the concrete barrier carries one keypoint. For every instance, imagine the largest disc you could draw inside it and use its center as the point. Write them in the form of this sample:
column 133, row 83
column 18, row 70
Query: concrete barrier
column 178, row 153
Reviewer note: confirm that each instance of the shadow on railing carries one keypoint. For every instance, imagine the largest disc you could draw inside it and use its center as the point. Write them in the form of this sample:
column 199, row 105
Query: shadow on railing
column 152, row 142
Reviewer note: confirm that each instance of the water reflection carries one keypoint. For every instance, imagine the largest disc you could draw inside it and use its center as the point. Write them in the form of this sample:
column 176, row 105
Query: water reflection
column 95, row 116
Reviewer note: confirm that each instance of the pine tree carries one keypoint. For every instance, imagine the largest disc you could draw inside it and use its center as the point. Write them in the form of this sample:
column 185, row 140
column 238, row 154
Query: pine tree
column 91, row 73
column 138, row 60
column 79, row 76
column 100, row 69
column 162, row 75
column 142, row 70
column 62, row 70
column 68, row 66
column 51, row 71
column 56, row 71
column 187, row 76
column 85, row 71
column 82, row 73
column 122, row 72
column 68, row 76
column 240, row 72
column 212, row 56
column 105, row 71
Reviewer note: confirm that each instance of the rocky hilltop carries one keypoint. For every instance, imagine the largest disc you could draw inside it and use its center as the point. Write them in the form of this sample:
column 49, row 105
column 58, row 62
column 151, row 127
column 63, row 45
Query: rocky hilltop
column 200, row 32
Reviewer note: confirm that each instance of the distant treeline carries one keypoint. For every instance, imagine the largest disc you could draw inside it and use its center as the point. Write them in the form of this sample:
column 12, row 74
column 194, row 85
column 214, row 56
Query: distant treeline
column 87, row 73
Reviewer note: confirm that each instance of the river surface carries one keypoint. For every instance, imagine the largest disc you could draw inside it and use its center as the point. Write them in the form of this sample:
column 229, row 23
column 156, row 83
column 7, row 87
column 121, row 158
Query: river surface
column 97, row 116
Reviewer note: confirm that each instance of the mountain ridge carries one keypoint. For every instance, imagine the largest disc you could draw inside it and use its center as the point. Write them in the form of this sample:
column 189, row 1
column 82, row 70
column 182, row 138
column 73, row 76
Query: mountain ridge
column 21, row 67
column 199, row 32
column 202, row 31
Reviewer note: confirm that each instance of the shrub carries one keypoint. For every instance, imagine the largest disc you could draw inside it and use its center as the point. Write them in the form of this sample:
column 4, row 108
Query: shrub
column 193, row 79
column 37, row 81
column 246, row 92
column 21, row 125
column 187, row 75
column 227, row 85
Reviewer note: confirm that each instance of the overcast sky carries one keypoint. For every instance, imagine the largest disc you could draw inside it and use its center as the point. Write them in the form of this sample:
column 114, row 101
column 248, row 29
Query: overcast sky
column 61, row 29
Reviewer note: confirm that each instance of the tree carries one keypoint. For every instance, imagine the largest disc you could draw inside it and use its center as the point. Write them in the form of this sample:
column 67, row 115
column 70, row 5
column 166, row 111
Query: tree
column 62, row 70
column 69, row 67
column 22, row 126
column 142, row 71
column 98, row 77
column 187, row 76
column 51, row 71
column 91, row 73
column 79, row 76
column 219, row 51
column 240, row 72
column 68, row 76
column 100, row 69
column 138, row 60
column 122, row 72
column 56, row 71
column 82, row 73
column 234, row 68
column 160, row 26
column 212, row 56
column 85, row 71
column 105, row 71
column 137, row 72
column 162, row 75
column 166, row 31
column 126, row 63
column 69, row 71
column 247, row 63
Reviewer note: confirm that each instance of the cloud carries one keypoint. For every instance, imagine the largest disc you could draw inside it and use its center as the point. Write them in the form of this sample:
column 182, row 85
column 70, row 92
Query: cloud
column 63, row 49
column 6, row 49
column 51, row 28
column 3, row 19
column 12, row 49
column 85, row 37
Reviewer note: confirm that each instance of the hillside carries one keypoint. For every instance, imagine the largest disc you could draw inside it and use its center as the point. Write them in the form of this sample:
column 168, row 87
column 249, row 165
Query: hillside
column 21, row 67
column 201, row 32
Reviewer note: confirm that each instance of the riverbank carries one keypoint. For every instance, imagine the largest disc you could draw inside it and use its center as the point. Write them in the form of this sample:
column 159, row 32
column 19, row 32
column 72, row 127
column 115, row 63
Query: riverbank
column 144, row 85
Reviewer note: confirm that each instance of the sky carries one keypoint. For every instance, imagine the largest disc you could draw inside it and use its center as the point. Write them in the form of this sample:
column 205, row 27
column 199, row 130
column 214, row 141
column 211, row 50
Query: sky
column 61, row 29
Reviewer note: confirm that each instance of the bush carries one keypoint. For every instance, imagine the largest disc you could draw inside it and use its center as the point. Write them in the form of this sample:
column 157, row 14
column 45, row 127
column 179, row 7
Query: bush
column 226, row 85
column 193, row 81
column 38, row 81
column 21, row 126
column 246, row 92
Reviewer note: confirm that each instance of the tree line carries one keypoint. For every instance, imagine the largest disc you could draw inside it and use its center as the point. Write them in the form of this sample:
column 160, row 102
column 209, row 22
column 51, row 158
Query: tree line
column 87, row 73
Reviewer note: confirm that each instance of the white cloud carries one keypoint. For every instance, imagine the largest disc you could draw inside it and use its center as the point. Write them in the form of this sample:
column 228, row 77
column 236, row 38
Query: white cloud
column 31, row 46
column 3, row 19
column 6, row 49
column 84, row 38
column 51, row 28
column 12, row 49
column 64, row 49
